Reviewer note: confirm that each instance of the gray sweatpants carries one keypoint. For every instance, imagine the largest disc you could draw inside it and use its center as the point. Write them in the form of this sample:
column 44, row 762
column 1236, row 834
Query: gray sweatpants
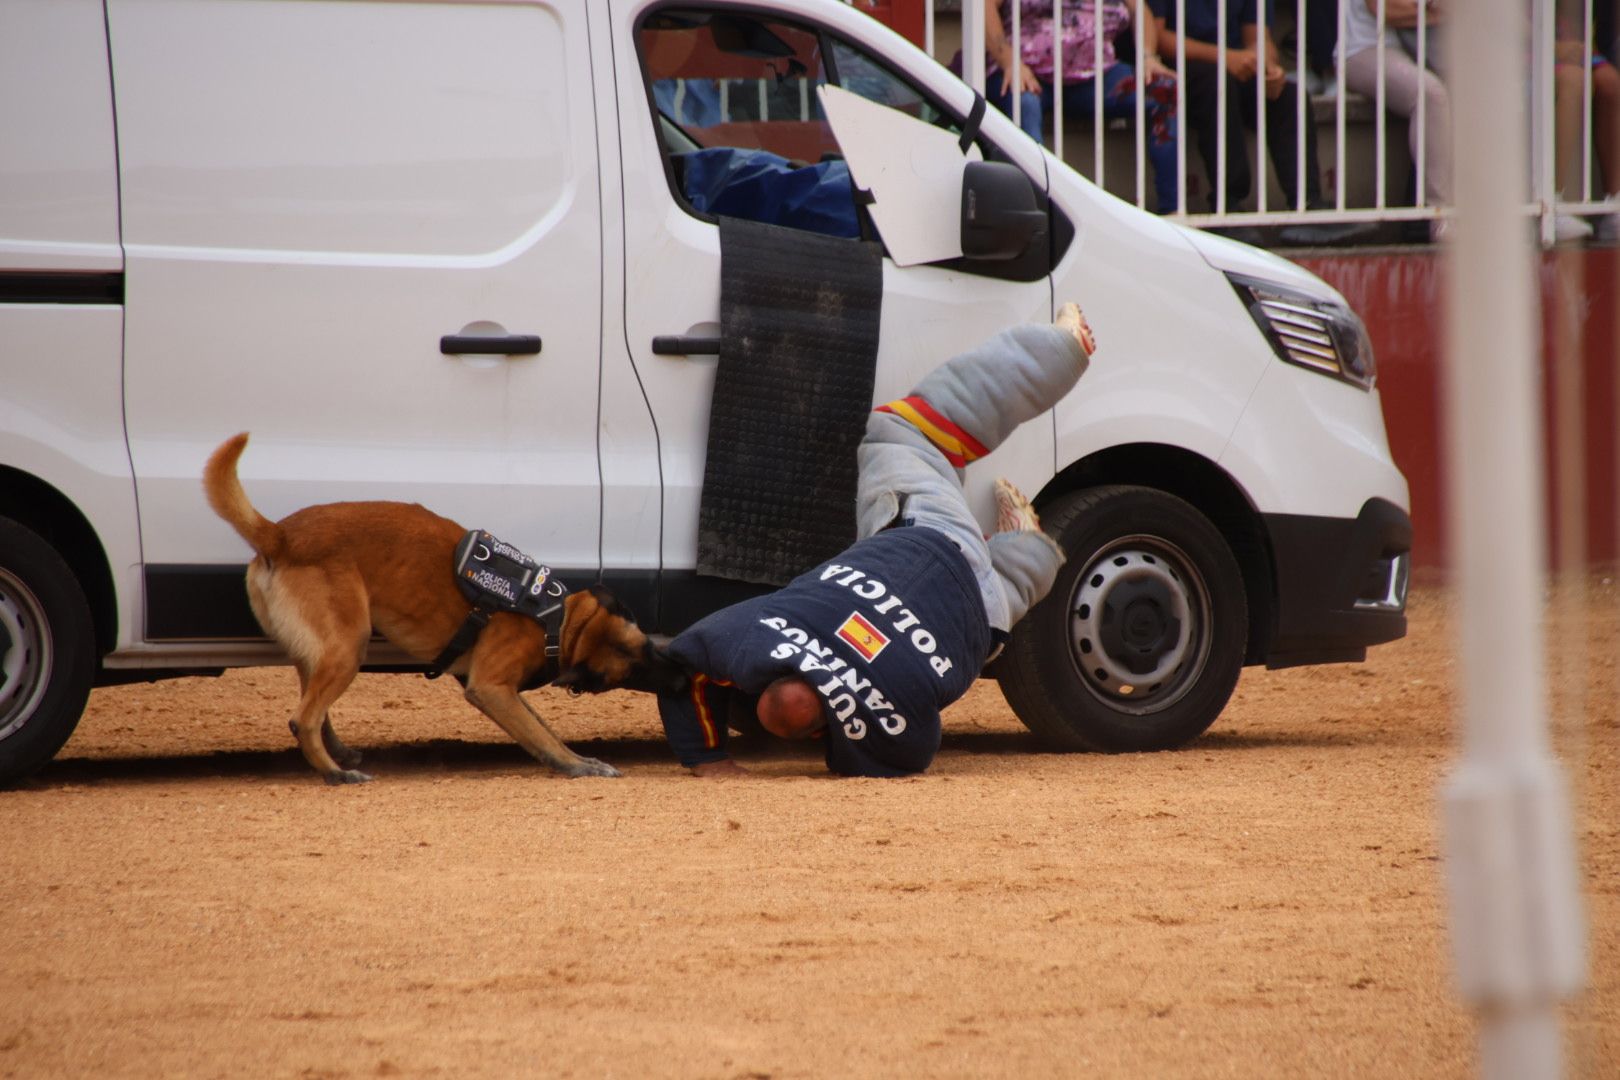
column 987, row 392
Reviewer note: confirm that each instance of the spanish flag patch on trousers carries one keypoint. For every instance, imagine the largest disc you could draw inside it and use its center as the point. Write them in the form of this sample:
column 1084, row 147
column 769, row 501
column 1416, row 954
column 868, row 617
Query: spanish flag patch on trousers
column 958, row 446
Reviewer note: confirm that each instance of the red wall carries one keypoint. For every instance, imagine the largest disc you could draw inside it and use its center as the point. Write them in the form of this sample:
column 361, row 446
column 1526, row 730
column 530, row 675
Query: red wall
column 1400, row 295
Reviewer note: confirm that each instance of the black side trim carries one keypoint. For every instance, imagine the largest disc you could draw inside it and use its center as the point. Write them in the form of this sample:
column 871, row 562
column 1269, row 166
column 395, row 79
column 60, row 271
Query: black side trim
column 1323, row 568
column 190, row 602
column 69, row 287
column 970, row 129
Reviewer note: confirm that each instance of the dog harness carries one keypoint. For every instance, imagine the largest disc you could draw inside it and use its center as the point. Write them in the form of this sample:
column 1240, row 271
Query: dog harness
column 495, row 576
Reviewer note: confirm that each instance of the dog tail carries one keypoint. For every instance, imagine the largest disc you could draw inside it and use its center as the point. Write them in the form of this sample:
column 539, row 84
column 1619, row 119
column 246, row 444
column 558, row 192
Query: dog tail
column 230, row 502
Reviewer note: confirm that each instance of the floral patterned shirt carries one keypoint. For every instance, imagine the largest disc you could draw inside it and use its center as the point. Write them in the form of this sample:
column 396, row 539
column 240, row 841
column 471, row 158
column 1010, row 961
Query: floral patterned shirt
column 1079, row 35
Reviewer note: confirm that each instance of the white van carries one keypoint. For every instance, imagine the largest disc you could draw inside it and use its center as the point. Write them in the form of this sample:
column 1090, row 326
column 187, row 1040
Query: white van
column 470, row 255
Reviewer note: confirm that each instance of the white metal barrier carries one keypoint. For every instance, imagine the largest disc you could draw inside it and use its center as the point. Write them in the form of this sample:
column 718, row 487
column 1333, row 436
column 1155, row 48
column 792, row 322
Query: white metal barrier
column 1553, row 208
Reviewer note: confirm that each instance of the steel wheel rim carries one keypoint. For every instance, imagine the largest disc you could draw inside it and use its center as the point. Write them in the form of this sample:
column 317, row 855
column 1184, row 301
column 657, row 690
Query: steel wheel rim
column 1139, row 625
column 27, row 656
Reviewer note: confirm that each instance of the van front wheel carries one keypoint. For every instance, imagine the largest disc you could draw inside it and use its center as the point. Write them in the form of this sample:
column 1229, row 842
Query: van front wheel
column 1141, row 640
column 47, row 651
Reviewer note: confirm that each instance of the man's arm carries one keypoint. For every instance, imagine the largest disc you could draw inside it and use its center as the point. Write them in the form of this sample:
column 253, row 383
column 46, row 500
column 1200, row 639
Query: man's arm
column 1241, row 64
column 695, row 725
column 1153, row 67
column 996, row 43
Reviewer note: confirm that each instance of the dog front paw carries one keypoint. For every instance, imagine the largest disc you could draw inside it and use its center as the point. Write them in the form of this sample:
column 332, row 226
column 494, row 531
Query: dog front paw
column 587, row 766
column 347, row 776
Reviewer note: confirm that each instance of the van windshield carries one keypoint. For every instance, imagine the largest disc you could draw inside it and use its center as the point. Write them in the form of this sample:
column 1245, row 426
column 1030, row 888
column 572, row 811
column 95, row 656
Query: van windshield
column 736, row 80
column 741, row 125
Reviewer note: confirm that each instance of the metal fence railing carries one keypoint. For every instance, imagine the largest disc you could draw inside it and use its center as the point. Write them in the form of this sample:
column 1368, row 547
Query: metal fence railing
column 1379, row 114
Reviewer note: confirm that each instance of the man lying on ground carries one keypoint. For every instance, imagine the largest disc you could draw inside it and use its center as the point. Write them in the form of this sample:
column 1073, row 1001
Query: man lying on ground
column 870, row 646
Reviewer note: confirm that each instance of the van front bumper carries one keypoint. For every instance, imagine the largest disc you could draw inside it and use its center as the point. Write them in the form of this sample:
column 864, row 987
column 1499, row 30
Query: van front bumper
column 1341, row 583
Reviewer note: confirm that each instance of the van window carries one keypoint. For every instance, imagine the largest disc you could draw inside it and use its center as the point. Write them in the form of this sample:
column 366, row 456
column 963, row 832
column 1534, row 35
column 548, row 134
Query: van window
column 734, row 97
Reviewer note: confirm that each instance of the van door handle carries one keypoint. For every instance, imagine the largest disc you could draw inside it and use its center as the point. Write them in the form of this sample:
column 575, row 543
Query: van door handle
column 490, row 344
column 683, row 345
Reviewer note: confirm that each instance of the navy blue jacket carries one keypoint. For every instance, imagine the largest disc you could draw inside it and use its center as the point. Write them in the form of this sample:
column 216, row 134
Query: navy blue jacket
column 889, row 632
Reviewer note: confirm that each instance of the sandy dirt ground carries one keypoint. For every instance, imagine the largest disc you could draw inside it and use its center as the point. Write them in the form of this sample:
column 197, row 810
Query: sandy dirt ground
column 183, row 897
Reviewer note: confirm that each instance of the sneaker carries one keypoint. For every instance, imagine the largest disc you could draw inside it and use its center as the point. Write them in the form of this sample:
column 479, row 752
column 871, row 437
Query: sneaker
column 1567, row 228
column 1072, row 319
column 1014, row 513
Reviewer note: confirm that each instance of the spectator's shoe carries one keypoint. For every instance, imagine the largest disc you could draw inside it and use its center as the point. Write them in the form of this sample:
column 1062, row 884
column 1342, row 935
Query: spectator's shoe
column 1014, row 513
column 1567, row 229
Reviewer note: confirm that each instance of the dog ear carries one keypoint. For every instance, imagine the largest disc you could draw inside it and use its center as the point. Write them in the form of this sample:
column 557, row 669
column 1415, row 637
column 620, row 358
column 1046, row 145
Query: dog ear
column 610, row 603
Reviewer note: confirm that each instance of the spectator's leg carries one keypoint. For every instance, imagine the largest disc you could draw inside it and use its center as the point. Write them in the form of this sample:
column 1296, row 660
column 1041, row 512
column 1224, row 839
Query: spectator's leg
column 1078, row 100
column 1282, row 143
column 1606, row 124
column 1405, row 84
column 1569, row 84
column 1164, row 130
column 1029, row 105
column 1321, row 33
column 1202, row 111
column 1159, row 116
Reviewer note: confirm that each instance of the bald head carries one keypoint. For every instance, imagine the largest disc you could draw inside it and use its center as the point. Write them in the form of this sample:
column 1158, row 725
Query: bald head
column 790, row 708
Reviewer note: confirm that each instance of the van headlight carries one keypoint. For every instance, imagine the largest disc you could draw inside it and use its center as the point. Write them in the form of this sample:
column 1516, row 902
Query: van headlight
column 1311, row 331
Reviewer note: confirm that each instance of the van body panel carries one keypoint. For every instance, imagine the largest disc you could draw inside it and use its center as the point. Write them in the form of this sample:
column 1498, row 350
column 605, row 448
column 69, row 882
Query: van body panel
column 293, row 265
column 61, row 420
column 229, row 215
column 58, row 163
column 1314, row 446
column 672, row 260
column 1177, row 358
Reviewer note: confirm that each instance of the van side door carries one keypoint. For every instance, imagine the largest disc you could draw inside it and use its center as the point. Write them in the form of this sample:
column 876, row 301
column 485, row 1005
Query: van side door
column 695, row 79
column 368, row 234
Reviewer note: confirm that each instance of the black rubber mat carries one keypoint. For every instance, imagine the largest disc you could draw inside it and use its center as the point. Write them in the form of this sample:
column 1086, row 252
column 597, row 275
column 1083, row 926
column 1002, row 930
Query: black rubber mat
column 799, row 318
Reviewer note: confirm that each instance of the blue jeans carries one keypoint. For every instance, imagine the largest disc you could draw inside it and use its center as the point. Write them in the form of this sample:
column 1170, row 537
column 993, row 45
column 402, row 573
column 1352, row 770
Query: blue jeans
column 1119, row 100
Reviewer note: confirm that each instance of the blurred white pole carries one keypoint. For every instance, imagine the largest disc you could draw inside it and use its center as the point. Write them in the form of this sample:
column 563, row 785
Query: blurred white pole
column 1141, row 99
column 973, row 44
column 1517, row 929
column 1543, row 131
column 1380, row 121
column 1220, row 106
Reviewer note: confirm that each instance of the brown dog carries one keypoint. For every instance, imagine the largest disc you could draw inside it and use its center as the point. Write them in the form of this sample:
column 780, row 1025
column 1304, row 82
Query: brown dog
column 326, row 576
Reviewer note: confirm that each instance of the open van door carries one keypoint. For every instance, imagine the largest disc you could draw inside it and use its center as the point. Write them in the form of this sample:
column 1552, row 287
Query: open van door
column 815, row 101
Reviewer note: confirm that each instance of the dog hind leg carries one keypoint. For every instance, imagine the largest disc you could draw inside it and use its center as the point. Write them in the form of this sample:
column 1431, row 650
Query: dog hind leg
column 320, row 616
column 340, row 751
column 326, row 683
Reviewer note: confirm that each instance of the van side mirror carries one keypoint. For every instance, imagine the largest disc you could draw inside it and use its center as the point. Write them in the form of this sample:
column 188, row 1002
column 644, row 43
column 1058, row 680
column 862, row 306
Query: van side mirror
column 1000, row 218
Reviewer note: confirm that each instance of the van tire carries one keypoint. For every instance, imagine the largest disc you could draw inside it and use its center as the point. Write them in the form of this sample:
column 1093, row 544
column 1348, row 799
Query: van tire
column 47, row 651
column 1083, row 676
